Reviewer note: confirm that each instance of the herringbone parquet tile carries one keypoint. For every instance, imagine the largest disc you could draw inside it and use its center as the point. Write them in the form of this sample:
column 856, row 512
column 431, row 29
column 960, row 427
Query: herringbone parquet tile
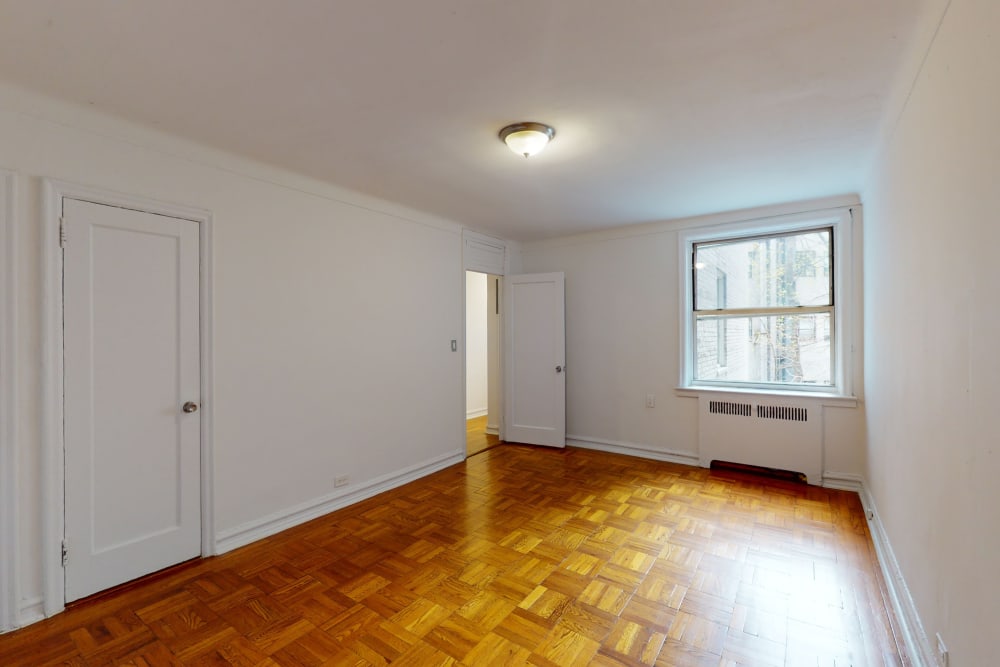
column 520, row 555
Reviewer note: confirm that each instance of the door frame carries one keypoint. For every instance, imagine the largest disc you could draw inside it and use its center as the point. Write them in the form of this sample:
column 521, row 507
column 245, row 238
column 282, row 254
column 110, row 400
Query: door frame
column 10, row 598
column 53, row 442
column 483, row 254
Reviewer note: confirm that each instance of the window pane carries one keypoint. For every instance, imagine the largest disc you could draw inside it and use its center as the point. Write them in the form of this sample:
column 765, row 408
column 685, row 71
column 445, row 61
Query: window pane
column 782, row 349
column 780, row 271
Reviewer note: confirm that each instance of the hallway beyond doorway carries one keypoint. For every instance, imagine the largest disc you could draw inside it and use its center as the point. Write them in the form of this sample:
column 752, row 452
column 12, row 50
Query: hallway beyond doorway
column 476, row 438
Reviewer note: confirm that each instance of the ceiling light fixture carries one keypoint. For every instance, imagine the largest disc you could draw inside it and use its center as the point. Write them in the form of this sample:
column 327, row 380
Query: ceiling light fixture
column 527, row 139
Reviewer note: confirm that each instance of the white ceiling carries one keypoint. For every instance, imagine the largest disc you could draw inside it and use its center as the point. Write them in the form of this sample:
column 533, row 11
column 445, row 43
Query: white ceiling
column 662, row 108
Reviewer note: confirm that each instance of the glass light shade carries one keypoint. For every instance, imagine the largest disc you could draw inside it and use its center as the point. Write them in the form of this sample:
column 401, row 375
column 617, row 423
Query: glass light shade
column 527, row 139
column 527, row 142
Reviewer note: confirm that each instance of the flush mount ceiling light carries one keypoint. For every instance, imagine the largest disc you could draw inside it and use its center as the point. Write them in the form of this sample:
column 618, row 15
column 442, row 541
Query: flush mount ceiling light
column 527, row 139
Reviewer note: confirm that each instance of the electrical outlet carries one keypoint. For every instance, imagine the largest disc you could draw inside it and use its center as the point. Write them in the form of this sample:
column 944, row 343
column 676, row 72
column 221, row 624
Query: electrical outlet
column 870, row 515
column 650, row 400
column 343, row 480
column 942, row 651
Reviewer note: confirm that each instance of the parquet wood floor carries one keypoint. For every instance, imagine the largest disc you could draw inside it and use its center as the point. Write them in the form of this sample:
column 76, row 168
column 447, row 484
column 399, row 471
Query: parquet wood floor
column 519, row 555
column 476, row 438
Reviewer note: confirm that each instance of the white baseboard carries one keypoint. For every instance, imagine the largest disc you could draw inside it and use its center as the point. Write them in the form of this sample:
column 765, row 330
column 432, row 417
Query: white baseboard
column 257, row 529
column 31, row 610
column 844, row 481
column 917, row 644
column 472, row 414
column 632, row 449
column 493, row 429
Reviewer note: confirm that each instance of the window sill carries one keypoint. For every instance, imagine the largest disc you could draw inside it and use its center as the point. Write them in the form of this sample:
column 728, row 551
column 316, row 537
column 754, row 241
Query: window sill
column 823, row 398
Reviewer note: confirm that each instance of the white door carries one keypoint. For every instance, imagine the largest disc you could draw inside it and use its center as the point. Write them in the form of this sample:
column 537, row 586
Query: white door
column 535, row 326
column 131, row 362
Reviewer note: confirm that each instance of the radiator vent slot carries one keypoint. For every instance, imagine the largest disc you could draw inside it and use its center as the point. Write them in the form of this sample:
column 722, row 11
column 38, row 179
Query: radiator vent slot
column 783, row 412
column 730, row 408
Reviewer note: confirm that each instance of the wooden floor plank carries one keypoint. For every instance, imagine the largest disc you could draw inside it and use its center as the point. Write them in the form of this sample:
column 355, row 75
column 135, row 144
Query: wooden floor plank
column 519, row 555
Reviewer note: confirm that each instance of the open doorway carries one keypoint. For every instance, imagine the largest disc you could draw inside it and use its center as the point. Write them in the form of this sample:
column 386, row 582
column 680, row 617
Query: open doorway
column 482, row 363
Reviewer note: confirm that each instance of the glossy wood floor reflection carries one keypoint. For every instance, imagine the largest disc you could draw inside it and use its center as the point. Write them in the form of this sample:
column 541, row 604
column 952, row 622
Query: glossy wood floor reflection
column 476, row 438
column 519, row 555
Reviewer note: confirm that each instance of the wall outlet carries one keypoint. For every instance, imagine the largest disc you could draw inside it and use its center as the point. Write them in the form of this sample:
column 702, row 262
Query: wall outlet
column 650, row 400
column 942, row 651
column 343, row 480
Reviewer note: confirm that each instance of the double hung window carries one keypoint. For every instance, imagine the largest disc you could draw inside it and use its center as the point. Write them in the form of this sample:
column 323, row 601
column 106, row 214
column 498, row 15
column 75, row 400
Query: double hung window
column 762, row 306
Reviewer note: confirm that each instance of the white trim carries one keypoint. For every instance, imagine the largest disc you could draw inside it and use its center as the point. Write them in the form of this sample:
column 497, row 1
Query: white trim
column 477, row 261
column 824, row 399
column 31, row 611
column 844, row 481
column 53, row 473
column 917, row 644
column 258, row 529
column 9, row 582
column 844, row 267
column 472, row 414
column 632, row 449
column 469, row 264
column 493, row 429
column 53, row 583
column 463, row 342
column 207, row 304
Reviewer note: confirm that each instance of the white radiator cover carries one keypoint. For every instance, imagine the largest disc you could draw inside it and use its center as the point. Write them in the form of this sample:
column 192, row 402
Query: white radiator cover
column 762, row 431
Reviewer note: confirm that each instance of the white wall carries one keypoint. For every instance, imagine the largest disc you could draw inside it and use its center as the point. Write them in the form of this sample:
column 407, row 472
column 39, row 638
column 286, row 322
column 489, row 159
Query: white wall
column 621, row 338
column 932, row 365
column 476, row 395
column 333, row 312
column 622, row 342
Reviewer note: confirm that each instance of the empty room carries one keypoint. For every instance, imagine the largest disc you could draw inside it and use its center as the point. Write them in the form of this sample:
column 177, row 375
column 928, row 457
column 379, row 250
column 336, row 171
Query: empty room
column 473, row 333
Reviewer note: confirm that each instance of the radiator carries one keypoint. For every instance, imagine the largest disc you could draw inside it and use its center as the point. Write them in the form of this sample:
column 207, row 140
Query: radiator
column 782, row 434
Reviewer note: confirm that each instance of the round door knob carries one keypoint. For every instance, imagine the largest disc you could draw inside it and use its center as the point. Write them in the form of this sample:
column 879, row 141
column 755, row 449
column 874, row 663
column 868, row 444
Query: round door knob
column 190, row 406
column 558, row 369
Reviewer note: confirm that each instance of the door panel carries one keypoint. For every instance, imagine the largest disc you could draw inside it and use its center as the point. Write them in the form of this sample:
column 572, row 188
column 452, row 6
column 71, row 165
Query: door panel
column 131, row 360
column 536, row 348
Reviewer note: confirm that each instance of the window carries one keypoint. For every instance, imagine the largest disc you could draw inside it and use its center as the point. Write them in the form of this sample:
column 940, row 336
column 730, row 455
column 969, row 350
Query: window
column 763, row 305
